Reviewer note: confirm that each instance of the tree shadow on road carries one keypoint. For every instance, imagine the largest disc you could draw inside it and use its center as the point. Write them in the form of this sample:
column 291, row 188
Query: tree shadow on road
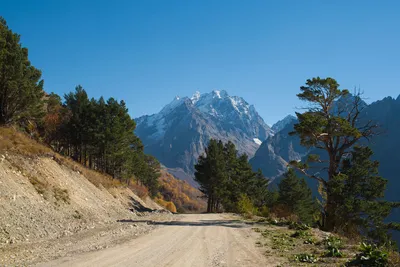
column 223, row 223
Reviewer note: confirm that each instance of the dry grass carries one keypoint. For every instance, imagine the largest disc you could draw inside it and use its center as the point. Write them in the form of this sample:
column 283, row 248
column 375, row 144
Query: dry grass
column 140, row 190
column 15, row 141
column 97, row 178
column 11, row 140
column 61, row 195
column 39, row 186
column 394, row 258
column 48, row 192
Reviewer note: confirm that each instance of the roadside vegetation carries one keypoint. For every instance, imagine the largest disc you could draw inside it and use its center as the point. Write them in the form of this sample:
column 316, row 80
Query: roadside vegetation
column 301, row 245
column 350, row 199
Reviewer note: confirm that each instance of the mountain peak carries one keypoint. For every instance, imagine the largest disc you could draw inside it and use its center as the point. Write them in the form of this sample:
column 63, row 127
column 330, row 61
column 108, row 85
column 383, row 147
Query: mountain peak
column 278, row 126
column 219, row 94
column 173, row 104
column 178, row 135
column 195, row 97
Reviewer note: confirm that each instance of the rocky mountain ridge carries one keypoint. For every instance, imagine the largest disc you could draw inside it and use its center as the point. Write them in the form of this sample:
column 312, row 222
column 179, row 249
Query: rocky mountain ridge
column 179, row 133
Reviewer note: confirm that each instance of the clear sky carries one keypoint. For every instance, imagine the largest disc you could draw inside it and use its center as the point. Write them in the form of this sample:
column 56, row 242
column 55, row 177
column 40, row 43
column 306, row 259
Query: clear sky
column 146, row 52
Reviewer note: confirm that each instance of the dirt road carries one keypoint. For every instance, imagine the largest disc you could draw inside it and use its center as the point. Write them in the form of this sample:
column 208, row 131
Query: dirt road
column 192, row 240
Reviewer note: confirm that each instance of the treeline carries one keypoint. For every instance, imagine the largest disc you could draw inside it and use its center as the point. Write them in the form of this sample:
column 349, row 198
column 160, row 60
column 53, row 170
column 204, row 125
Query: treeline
column 223, row 177
column 229, row 183
column 97, row 133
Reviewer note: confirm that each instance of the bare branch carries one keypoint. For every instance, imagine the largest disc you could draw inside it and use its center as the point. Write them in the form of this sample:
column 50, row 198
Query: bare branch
column 312, row 176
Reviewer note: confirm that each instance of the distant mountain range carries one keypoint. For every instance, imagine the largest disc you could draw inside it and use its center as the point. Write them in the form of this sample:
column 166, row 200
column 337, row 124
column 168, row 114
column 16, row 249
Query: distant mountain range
column 179, row 133
column 274, row 153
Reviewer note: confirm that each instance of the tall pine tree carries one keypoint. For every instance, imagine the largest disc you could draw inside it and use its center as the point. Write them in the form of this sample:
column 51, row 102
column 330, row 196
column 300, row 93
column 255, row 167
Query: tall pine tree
column 359, row 191
column 296, row 196
column 332, row 125
column 21, row 86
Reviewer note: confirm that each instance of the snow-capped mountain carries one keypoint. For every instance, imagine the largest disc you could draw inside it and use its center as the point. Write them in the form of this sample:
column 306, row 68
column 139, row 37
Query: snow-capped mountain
column 179, row 133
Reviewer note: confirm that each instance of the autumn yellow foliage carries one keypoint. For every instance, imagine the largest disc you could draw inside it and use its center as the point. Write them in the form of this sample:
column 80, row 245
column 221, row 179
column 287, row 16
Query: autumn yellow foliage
column 169, row 205
column 185, row 197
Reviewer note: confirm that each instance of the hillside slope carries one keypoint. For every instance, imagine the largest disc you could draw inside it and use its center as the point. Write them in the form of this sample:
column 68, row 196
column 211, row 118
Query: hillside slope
column 44, row 196
column 185, row 197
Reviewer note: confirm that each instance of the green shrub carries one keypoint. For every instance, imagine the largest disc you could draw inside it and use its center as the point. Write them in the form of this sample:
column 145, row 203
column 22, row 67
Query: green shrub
column 333, row 241
column 245, row 205
column 263, row 212
column 333, row 245
column 298, row 226
column 370, row 255
column 333, row 252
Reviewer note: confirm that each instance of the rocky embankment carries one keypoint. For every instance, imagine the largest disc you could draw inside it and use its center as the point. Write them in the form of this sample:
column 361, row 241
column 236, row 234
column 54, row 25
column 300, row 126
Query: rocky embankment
column 48, row 210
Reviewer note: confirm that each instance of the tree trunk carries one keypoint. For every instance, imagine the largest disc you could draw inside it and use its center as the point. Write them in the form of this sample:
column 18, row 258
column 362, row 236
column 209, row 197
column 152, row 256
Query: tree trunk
column 330, row 208
column 209, row 204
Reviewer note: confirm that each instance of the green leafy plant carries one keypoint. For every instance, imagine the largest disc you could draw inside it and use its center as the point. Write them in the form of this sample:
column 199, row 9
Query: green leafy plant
column 333, row 245
column 333, row 241
column 309, row 240
column 298, row 226
column 282, row 242
column 305, row 257
column 370, row 255
column 333, row 252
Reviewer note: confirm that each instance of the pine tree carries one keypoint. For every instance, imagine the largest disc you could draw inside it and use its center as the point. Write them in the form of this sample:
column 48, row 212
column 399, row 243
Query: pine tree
column 210, row 174
column 332, row 125
column 296, row 196
column 226, row 179
column 21, row 87
column 359, row 191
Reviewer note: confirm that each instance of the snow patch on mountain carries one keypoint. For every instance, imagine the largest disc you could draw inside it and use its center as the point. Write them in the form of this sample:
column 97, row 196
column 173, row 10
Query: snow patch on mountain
column 195, row 97
column 257, row 141
column 217, row 94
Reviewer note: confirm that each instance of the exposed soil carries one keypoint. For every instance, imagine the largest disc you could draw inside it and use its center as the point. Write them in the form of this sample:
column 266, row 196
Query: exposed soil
column 46, row 207
column 191, row 240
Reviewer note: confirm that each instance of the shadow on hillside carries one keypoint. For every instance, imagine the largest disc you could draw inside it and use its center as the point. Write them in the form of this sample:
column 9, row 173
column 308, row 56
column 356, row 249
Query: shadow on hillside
column 223, row 223
column 138, row 207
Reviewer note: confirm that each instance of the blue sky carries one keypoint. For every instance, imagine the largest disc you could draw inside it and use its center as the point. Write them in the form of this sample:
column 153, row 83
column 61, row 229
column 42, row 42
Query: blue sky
column 147, row 52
